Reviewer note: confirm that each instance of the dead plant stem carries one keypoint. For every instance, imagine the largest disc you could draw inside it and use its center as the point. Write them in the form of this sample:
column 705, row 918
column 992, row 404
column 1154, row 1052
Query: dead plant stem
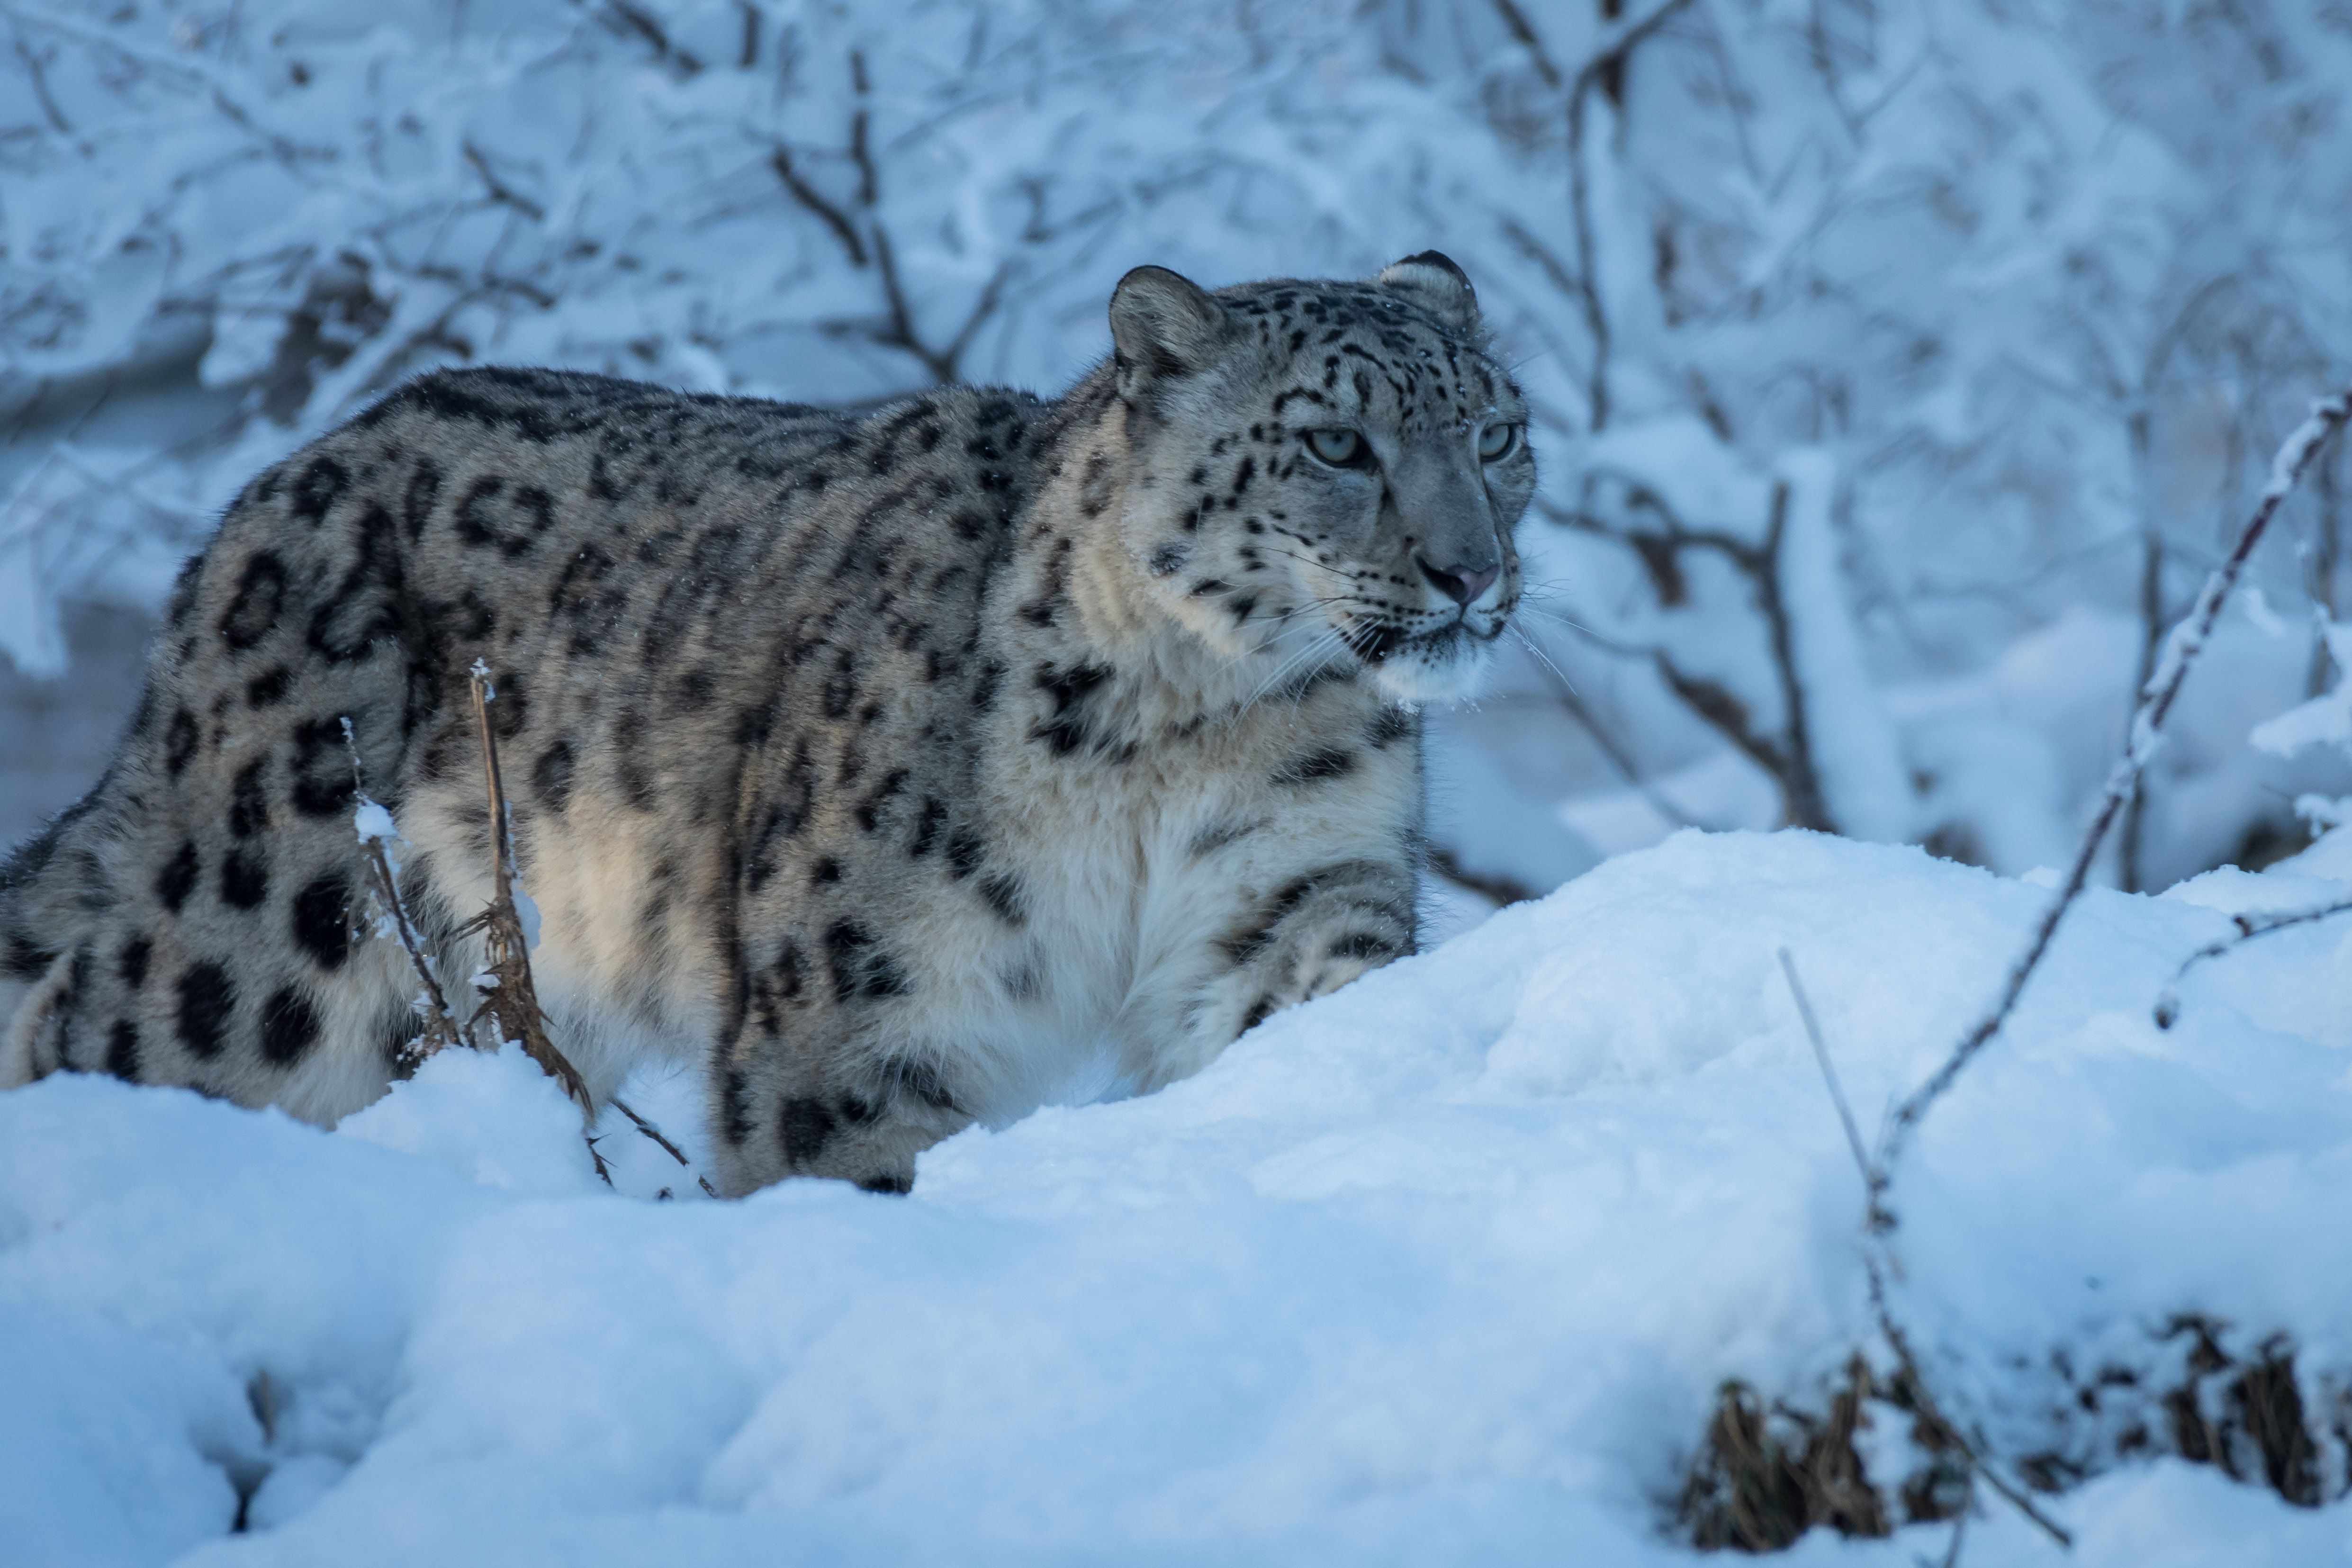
column 512, row 1003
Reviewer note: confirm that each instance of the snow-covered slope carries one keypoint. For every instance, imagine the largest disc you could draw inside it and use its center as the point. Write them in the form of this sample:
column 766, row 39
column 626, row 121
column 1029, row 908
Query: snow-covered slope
column 1445, row 1267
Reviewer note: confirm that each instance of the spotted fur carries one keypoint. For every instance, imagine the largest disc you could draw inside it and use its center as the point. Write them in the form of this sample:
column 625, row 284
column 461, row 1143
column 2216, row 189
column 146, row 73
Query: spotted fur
column 904, row 768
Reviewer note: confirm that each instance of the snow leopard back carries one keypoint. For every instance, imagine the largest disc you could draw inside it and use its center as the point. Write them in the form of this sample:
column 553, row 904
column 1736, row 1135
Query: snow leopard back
column 813, row 582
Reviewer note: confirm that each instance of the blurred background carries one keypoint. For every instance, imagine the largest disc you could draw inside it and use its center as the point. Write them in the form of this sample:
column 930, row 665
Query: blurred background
column 1901, row 369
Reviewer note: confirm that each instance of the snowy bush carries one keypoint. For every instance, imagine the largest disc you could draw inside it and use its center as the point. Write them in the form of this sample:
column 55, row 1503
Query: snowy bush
column 1886, row 355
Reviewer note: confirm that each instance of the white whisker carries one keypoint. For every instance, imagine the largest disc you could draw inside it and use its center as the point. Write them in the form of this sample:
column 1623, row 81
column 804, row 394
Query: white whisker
column 1544, row 658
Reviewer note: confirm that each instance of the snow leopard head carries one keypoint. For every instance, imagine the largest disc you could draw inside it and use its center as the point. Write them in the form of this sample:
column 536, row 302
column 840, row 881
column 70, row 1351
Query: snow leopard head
column 1325, row 471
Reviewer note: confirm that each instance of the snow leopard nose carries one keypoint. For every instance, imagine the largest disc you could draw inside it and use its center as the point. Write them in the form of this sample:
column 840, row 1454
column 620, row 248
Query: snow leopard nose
column 1458, row 583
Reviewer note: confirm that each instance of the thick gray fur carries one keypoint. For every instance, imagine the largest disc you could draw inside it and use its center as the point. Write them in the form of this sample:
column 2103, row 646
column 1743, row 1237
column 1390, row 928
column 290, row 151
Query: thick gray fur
column 905, row 770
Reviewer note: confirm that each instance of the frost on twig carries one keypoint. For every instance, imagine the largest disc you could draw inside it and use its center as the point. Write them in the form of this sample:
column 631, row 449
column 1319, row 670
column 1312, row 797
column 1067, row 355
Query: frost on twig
column 510, row 1003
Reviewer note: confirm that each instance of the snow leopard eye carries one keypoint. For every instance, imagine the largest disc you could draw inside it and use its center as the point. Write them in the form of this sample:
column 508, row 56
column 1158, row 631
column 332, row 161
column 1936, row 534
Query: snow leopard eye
column 1495, row 440
column 1340, row 448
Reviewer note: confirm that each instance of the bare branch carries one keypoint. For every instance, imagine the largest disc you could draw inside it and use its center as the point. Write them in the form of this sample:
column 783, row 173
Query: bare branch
column 1588, row 292
column 1829, row 1072
column 1789, row 759
column 982, row 308
column 2182, row 649
column 1573, row 702
column 1605, row 70
column 1941, row 1426
column 36, row 68
column 1499, row 890
column 648, row 1128
column 863, row 238
column 1517, row 22
column 500, row 192
column 2168, row 1005
column 779, row 158
column 1800, row 780
column 861, row 153
column 625, row 18
column 2186, row 642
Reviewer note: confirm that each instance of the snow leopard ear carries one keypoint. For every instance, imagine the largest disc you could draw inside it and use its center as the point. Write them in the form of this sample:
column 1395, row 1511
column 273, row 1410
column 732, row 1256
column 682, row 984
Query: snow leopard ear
column 1433, row 281
column 1165, row 326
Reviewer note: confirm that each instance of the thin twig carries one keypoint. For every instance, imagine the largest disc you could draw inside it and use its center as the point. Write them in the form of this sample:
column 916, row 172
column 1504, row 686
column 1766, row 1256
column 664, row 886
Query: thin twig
column 1515, row 21
column 1496, row 887
column 1959, row 1534
column 1942, row 1426
column 779, row 158
column 1875, row 1265
column 33, row 67
column 648, row 1128
column 2168, row 1005
column 499, row 191
column 439, row 1028
column 2182, row 649
column 512, row 1003
column 1829, row 1072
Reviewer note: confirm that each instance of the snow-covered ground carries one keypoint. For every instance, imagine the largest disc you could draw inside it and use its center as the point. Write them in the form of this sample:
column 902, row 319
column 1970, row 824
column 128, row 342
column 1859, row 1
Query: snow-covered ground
column 2006, row 299
column 1445, row 1267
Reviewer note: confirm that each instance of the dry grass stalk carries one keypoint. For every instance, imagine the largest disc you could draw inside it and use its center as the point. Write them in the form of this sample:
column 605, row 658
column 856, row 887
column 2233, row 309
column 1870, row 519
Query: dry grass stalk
column 1766, row 1474
column 1764, row 1477
column 511, row 1003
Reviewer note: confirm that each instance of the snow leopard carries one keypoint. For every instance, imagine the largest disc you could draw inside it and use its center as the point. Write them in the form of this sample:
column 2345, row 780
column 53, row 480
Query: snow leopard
column 895, row 770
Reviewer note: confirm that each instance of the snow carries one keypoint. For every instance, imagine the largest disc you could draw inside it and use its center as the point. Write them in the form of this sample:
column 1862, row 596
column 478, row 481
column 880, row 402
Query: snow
column 1448, row 1266
column 1444, row 1266
column 2326, row 720
column 1856, row 748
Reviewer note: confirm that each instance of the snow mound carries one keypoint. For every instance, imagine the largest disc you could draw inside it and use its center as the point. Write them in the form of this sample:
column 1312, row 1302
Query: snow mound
column 1448, row 1266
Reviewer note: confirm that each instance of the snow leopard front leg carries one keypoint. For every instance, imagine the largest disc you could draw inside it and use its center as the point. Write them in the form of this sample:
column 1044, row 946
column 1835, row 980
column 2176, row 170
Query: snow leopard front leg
column 1283, row 891
column 1306, row 938
column 811, row 1074
column 1282, row 933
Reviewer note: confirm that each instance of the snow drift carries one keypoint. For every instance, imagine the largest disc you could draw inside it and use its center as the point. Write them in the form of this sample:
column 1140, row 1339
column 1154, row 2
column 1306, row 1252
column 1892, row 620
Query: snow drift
column 1446, row 1267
